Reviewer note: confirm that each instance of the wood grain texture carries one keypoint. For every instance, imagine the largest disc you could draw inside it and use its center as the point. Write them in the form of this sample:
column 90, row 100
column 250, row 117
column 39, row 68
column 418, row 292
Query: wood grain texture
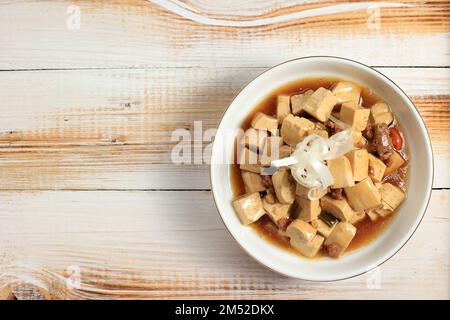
column 133, row 244
column 111, row 129
column 90, row 204
column 142, row 34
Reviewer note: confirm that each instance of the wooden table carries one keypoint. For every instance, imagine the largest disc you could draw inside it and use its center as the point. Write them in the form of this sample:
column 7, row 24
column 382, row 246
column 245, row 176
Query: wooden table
column 90, row 92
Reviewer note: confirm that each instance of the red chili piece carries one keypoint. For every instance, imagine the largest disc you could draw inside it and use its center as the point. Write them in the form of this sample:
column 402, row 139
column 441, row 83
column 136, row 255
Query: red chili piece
column 396, row 138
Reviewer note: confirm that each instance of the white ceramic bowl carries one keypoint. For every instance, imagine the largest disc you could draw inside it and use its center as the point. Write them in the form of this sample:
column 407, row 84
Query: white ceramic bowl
column 402, row 225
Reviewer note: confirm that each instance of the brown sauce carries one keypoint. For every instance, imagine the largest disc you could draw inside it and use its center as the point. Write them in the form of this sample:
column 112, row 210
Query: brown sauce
column 367, row 230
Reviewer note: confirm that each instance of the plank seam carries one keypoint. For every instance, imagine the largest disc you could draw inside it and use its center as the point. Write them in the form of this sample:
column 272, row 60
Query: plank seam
column 106, row 190
column 136, row 190
column 194, row 67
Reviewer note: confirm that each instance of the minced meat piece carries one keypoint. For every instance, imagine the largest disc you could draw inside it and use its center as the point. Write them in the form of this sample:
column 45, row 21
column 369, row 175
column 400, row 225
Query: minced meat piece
column 381, row 142
column 283, row 223
column 333, row 250
column 337, row 194
column 332, row 127
column 368, row 131
column 268, row 184
column 398, row 178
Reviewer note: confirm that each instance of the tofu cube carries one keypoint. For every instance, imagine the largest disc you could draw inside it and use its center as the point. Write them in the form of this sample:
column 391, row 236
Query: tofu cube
column 363, row 195
column 359, row 161
column 381, row 113
column 248, row 160
column 354, row 115
column 254, row 139
column 384, row 210
column 372, row 214
column 281, row 216
column 294, row 129
column 285, row 151
column 320, row 104
column 310, row 209
column 391, row 195
column 298, row 101
column 357, row 217
column 271, row 150
column 277, row 212
column 283, row 107
column 256, row 168
column 338, row 208
column 247, row 156
column 270, row 203
column 304, row 238
column 249, row 208
column 347, row 92
column 263, row 121
column 252, row 182
column 301, row 230
column 310, row 248
column 376, row 168
column 284, row 187
column 339, row 239
column 360, row 141
column 396, row 161
column 273, row 143
column 323, row 228
column 303, row 191
column 341, row 170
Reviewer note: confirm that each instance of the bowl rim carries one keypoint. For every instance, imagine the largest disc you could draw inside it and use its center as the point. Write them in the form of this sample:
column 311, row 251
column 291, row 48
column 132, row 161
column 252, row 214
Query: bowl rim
column 385, row 259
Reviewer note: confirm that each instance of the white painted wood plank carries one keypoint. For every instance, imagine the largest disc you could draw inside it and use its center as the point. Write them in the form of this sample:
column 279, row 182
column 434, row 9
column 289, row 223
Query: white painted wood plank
column 173, row 244
column 254, row 9
column 34, row 35
column 111, row 129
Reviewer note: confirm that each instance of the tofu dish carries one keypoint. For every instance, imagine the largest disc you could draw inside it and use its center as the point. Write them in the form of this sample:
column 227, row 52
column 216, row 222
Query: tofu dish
column 320, row 167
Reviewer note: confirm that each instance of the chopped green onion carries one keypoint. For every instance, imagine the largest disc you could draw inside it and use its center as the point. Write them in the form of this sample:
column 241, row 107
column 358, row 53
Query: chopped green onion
column 328, row 218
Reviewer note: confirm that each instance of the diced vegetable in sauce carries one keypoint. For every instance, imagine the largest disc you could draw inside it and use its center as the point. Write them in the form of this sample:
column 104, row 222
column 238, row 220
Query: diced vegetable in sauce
column 294, row 129
column 396, row 138
column 338, row 208
column 339, row 239
column 320, row 104
column 328, row 219
column 354, row 115
column 368, row 182
column 347, row 92
column 341, row 171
